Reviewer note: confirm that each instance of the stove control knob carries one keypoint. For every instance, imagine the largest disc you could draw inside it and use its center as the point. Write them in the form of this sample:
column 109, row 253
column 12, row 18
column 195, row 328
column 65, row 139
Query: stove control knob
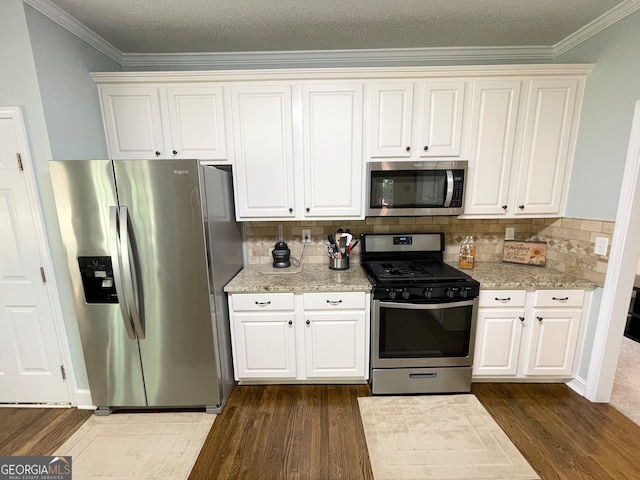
column 450, row 292
column 405, row 294
column 427, row 292
column 464, row 293
column 392, row 294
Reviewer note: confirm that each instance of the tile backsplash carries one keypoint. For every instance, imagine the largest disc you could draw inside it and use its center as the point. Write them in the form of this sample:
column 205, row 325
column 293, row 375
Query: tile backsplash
column 570, row 241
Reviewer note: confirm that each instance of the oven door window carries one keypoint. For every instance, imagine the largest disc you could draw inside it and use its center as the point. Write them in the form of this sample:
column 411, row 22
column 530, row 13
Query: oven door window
column 425, row 333
column 408, row 189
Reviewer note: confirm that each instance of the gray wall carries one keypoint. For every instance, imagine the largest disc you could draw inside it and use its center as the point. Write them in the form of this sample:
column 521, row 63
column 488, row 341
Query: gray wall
column 69, row 95
column 45, row 72
column 612, row 89
column 19, row 87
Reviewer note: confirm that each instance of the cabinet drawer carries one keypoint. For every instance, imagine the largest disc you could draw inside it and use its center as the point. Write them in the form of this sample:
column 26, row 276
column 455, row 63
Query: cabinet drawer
column 262, row 301
column 334, row 300
column 501, row 298
column 558, row 298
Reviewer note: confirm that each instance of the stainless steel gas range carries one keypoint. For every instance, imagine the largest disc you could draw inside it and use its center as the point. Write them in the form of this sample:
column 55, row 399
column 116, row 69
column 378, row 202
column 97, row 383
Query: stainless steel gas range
column 423, row 315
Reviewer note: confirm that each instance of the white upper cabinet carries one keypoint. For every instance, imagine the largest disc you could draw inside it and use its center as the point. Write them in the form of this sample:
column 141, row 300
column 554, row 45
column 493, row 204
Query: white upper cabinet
column 326, row 137
column 263, row 139
column 299, row 139
column 494, row 112
column 548, row 129
column 148, row 121
column 521, row 146
column 332, row 150
column 417, row 119
column 391, row 119
column 133, row 121
column 196, row 121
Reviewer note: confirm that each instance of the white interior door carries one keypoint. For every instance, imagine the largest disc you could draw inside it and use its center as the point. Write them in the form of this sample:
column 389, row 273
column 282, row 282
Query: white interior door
column 30, row 354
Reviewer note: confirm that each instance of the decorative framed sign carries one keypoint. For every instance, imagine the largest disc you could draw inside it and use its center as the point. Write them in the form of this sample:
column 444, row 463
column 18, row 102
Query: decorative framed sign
column 526, row 253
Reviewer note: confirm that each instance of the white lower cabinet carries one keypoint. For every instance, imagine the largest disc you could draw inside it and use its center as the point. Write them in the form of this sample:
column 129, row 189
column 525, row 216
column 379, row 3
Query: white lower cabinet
column 555, row 326
column 500, row 325
column 263, row 335
column 334, row 335
column 286, row 337
column 523, row 335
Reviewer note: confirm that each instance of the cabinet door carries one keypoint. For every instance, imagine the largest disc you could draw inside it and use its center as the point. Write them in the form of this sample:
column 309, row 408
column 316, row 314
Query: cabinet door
column 553, row 341
column 498, row 341
column 264, row 345
column 546, row 140
column 335, row 344
column 441, row 119
column 263, row 137
column 391, row 119
column 332, row 150
column 494, row 113
column 133, row 122
column 196, row 120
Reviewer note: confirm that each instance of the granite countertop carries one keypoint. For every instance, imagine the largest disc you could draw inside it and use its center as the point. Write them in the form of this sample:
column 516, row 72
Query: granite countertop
column 319, row 278
column 308, row 278
column 498, row 275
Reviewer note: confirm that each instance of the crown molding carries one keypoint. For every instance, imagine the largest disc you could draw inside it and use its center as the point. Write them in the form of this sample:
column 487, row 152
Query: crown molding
column 605, row 20
column 69, row 23
column 342, row 73
column 320, row 58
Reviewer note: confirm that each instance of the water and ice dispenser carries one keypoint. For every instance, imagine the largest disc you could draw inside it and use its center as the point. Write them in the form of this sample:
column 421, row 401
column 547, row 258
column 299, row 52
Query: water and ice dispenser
column 97, row 279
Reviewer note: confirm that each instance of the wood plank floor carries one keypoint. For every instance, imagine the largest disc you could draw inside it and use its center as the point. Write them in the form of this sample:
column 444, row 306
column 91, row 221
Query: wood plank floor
column 287, row 431
column 314, row 432
column 561, row 434
column 37, row 431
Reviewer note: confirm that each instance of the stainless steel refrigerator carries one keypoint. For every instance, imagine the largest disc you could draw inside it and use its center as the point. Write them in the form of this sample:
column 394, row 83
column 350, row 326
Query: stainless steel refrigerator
column 150, row 245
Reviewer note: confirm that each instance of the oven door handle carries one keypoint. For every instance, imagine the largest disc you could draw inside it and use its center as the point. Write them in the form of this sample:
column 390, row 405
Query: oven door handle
column 427, row 306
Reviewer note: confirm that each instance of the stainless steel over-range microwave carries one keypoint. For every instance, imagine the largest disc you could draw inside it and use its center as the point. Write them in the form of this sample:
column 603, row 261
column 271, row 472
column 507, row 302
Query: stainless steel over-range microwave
column 415, row 188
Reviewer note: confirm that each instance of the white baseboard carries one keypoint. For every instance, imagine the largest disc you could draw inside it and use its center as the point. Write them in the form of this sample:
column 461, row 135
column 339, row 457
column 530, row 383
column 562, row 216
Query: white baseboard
column 83, row 400
column 578, row 385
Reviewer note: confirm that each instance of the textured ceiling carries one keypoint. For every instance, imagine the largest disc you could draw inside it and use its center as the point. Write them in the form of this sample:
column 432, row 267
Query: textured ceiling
column 173, row 26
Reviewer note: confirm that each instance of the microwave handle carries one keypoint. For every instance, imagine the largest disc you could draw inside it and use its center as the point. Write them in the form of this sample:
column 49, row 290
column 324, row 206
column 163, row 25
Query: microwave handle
column 449, row 195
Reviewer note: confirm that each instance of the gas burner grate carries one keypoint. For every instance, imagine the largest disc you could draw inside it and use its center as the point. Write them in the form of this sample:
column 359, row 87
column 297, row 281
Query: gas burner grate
column 398, row 270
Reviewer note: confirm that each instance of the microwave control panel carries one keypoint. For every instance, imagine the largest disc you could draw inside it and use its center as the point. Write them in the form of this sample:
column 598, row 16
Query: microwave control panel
column 458, row 192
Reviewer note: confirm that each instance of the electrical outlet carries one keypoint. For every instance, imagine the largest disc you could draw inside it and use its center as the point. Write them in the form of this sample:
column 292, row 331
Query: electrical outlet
column 509, row 233
column 601, row 246
column 306, row 235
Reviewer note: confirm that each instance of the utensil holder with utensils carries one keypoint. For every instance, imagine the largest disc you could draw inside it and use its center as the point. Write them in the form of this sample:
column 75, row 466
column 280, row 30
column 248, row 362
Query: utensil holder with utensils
column 340, row 245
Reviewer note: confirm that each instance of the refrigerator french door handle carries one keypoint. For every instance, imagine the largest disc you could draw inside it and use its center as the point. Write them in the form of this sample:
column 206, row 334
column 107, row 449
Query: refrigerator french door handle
column 114, row 247
column 127, row 267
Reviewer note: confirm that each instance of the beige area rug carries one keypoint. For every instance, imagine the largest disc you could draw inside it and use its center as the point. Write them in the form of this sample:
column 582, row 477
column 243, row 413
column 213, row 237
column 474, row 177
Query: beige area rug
column 625, row 396
column 140, row 446
column 438, row 437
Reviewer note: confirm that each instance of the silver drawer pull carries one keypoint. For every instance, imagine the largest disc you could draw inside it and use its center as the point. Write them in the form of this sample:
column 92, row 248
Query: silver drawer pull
column 423, row 375
column 263, row 304
column 563, row 299
column 503, row 299
column 334, row 302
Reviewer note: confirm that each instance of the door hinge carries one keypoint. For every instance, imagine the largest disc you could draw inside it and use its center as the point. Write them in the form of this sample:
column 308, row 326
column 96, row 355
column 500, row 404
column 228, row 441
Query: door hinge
column 44, row 278
column 63, row 372
column 19, row 158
